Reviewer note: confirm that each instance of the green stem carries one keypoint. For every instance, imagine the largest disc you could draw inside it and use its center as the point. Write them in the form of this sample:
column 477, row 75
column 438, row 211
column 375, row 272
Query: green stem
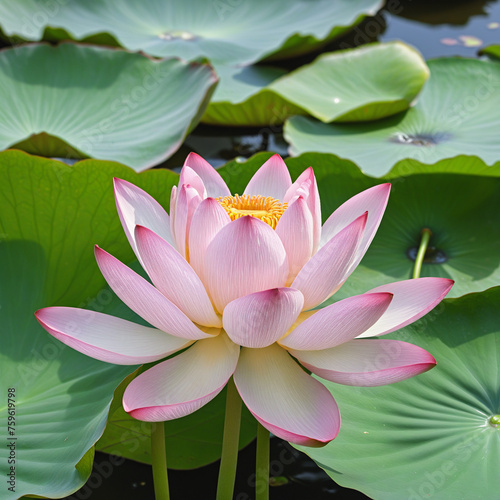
column 262, row 464
column 424, row 242
column 159, row 457
column 230, row 441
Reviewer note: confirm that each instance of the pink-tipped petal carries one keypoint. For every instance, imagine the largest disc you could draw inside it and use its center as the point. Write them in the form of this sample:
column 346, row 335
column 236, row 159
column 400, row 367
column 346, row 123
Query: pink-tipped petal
column 245, row 256
column 412, row 299
column 173, row 202
column 175, row 278
column 190, row 177
column 214, row 184
column 307, row 187
column 261, row 318
column 187, row 200
column 295, row 229
column 208, row 219
column 272, row 179
column 327, row 270
column 373, row 201
column 135, row 206
column 338, row 323
column 107, row 338
column 183, row 384
column 367, row 362
column 284, row 399
column 144, row 299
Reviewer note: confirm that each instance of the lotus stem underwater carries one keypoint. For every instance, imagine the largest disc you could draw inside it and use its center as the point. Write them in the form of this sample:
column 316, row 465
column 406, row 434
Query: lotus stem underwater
column 236, row 281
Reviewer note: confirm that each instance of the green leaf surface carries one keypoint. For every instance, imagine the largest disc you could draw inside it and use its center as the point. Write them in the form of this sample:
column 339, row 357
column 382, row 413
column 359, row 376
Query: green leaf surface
column 492, row 51
column 244, row 98
column 429, row 436
column 51, row 215
column 458, row 199
column 455, row 114
column 388, row 77
column 224, row 31
column 367, row 83
column 461, row 208
column 83, row 101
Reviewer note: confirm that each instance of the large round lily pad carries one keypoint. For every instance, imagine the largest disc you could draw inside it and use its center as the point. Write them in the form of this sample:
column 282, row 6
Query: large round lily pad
column 81, row 101
column 388, row 77
column 227, row 31
column 367, row 83
column 432, row 436
column 456, row 113
column 461, row 209
column 460, row 206
column 51, row 215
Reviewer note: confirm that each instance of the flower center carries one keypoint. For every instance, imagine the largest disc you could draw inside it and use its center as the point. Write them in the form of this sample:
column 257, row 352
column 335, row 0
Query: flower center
column 268, row 210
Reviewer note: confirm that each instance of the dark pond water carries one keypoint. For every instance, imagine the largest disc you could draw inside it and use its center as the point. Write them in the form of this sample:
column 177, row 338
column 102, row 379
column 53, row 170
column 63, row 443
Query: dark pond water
column 435, row 28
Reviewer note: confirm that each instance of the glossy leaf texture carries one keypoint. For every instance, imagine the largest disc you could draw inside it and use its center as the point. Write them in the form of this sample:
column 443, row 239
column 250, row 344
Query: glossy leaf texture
column 363, row 84
column 223, row 31
column 455, row 114
column 51, row 215
column 81, row 101
column 429, row 436
column 457, row 199
column 388, row 78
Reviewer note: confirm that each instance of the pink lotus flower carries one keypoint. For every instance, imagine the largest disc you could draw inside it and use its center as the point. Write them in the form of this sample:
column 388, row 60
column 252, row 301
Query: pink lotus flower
column 236, row 280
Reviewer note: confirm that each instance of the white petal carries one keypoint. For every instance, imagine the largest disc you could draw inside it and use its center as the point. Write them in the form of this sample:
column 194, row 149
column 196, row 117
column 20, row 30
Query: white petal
column 107, row 338
column 183, row 384
column 261, row 318
column 284, row 399
column 272, row 179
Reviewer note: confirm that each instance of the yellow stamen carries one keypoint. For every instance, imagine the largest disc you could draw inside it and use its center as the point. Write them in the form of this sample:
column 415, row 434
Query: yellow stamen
column 268, row 210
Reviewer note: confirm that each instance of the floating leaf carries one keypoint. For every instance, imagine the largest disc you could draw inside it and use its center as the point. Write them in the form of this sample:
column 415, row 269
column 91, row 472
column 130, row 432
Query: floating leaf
column 470, row 41
column 455, row 114
column 81, row 101
column 224, row 31
column 458, row 199
column 492, row 51
column 262, row 95
column 433, row 435
column 461, row 209
column 51, row 215
column 367, row 83
column 244, row 98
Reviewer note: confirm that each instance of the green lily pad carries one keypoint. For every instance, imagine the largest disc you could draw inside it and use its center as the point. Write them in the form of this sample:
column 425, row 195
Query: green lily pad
column 367, row 83
column 224, row 31
column 51, row 215
column 433, row 436
column 263, row 95
column 244, row 98
column 460, row 207
column 455, row 114
column 458, row 199
column 492, row 51
column 82, row 101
